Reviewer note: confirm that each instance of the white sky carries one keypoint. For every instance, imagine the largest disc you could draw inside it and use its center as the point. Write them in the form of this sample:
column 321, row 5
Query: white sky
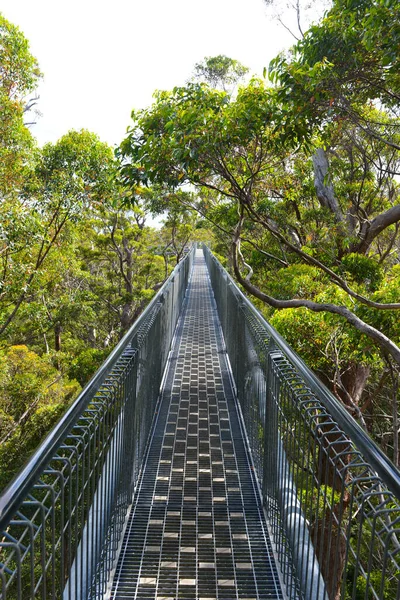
column 102, row 58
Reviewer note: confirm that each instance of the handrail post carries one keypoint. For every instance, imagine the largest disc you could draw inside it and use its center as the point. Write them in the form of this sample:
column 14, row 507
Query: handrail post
column 271, row 427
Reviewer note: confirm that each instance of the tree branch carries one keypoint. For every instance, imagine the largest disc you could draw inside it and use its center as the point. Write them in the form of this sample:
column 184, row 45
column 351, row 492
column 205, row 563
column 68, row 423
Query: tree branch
column 334, row 277
column 382, row 340
column 377, row 225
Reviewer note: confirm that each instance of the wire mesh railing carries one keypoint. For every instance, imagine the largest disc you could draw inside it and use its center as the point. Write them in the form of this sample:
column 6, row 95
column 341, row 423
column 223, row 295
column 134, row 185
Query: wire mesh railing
column 62, row 517
column 331, row 496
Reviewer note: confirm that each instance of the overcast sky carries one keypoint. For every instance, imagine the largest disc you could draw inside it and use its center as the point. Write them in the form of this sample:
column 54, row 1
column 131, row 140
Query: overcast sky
column 101, row 58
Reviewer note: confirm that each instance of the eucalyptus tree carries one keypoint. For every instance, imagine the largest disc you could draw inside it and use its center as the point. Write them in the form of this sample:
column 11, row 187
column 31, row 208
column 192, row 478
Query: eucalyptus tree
column 66, row 180
column 33, row 396
column 220, row 72
column 124, row 267
column 201, row 136
column 19, row 77
column 348, row 60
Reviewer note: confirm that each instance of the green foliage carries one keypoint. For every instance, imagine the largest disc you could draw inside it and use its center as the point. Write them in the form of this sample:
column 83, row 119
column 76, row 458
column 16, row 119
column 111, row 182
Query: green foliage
column 122, row 266
column 85, row 364
column 361, row 590
column 33, row 396
column 78, row 168
column 363, row 270
column 298, row 280
column 19, row 75
column 181, row 138
column 386, row 321
column 349, row 58
column 27, row 378
column 315, row 500
column 231, row 150
column 220, row 71
column 67, row 180
column 375, row 582
column 19, row 70
column 308, row 333
column 6, row 423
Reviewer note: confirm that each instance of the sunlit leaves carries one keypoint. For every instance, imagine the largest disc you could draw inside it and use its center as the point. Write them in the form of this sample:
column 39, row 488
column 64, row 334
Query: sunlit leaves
column 348, row 59
column 19, row 74
column 220, row 71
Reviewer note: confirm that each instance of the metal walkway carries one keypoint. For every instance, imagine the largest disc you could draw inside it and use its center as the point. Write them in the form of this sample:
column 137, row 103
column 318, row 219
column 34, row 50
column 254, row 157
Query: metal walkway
column 197, row 529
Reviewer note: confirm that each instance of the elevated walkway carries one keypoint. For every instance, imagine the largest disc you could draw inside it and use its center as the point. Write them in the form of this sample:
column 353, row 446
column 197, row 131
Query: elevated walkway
column 197, row 529
column 140, row 495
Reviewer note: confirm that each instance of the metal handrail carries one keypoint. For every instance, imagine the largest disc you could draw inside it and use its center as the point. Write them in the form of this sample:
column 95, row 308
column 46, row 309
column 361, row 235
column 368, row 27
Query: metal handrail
column 17, row 489
column 388, row 472
column 94, row 453
column 331, row 496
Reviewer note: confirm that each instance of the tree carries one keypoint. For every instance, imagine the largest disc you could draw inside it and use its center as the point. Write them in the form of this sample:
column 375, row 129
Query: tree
column 123, row 268
column 200, row 136
column 33, row 396
column 180, row 220
column 19, row 77
column 347, row 60
column 220, row 72
column 66, row 180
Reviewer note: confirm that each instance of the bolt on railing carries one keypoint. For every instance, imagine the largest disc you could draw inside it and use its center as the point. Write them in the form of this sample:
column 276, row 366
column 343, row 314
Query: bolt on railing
column 331, row 496
column 62, row 517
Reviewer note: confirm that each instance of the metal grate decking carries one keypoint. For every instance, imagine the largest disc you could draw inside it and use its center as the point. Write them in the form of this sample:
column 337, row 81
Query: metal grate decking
column 197, row 530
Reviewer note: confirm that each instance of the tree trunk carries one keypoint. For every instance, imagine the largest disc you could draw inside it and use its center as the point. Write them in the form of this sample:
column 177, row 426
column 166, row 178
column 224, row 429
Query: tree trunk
column 330, row 544
column 349, row 388
column 126, row 317
column 323, row 185
column 92, row 336
column 354, row 380
column 129, row 266
column 57, row 337
column 46, row 344
column 108, row 338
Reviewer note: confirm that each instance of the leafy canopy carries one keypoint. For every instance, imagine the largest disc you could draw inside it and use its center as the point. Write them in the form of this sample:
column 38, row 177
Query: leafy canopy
column 220, row 71
column 19, row 76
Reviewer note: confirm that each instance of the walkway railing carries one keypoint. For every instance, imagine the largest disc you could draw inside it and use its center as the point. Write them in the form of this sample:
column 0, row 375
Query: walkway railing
column 332, row 497
column 62, row 518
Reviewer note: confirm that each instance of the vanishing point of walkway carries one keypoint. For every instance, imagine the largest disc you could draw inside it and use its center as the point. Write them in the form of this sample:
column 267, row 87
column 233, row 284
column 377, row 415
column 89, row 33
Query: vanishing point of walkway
column 197, row 529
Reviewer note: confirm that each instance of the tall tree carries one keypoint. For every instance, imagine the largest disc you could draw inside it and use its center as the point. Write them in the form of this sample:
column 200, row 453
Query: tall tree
column 19, row 77
column 220, row 72
column 347, row 60
column 201, row 136
column 124, row 269
column 66, row 179
column 33, row 396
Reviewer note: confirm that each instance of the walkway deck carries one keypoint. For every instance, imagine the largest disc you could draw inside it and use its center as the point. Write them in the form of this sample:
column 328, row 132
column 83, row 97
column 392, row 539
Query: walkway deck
column 197, row 530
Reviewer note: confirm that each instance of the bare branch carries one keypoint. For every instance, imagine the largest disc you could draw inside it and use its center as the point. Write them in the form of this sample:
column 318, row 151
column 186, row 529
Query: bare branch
column 382, row 340
column 334, row 277
column 371, row 230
